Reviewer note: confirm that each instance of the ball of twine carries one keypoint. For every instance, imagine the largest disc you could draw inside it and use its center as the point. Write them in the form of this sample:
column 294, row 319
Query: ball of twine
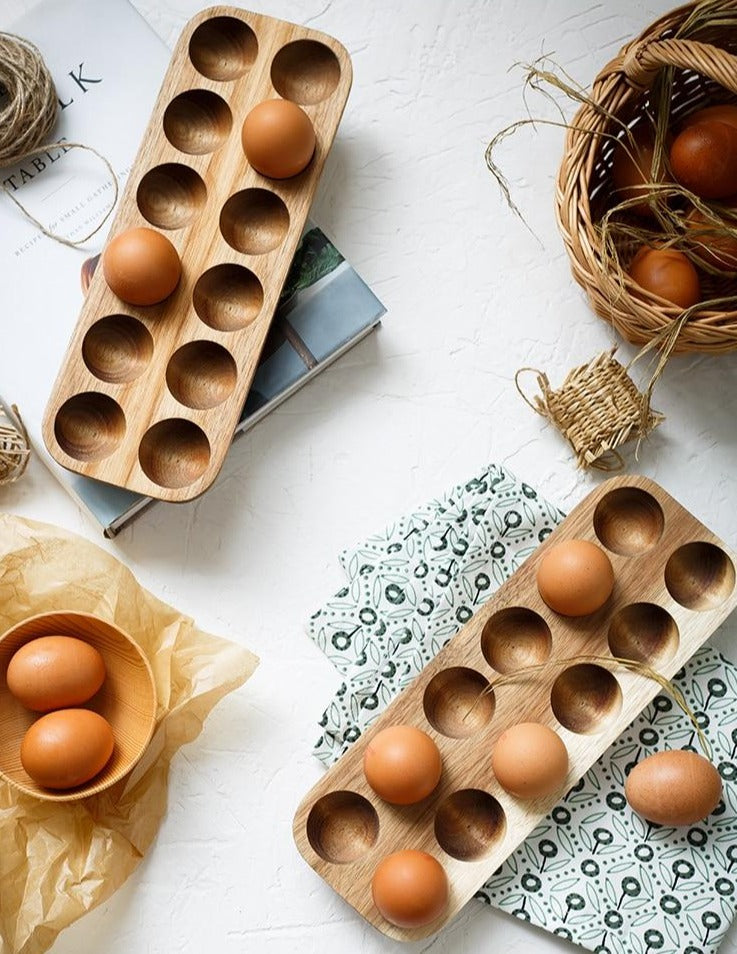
column 14, row 446
column 28, row 117
column 30, row 112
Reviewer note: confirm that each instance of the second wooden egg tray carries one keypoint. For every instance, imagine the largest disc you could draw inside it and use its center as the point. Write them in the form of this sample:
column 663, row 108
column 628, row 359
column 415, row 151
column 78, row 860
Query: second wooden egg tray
column 674, row 584
column 148, row 398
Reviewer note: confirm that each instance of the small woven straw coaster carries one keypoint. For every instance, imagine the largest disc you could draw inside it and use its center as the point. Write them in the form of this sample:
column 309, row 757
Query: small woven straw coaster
column 14, row 446
column 597, row 409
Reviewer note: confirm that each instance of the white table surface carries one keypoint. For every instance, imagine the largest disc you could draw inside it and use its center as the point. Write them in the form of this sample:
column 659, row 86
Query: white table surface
column 471, row 297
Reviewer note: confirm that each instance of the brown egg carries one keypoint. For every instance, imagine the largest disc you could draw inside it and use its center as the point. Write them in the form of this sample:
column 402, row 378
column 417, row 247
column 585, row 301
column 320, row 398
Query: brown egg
column 674, row 788
column 704, row 159
column 402, row 764
column 55, row 672
column 723, row 114
column 667, row 273
column 632, row 170
column 410, row 888
column 66, row 748
column 717, row 249
column 141, row 266
column 278, row 138
column 530, row 760
column 575, row 578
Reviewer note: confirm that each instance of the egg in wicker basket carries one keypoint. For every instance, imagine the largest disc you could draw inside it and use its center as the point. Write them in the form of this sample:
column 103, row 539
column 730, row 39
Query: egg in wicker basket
column 699, row 40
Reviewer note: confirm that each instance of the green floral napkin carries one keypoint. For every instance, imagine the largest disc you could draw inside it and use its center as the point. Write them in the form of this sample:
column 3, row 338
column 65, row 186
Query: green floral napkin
column 592, row 871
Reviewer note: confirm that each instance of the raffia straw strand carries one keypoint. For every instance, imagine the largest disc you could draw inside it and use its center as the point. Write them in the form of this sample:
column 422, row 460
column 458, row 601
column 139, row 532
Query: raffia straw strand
column 15, row 447
column 28, row 117
column 633, row 665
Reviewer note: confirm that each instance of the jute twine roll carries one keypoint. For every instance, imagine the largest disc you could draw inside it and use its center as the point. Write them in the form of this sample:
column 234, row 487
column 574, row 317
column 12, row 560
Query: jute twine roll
column 14, row 446
column 28, row 117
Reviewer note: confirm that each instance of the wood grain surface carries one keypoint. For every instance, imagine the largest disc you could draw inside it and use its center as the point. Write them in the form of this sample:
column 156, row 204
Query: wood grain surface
column 148, row 397
column 674, row 584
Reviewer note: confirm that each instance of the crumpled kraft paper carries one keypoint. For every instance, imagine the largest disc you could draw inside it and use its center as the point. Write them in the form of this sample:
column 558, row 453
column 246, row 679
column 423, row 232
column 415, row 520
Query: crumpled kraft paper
column 58, row 861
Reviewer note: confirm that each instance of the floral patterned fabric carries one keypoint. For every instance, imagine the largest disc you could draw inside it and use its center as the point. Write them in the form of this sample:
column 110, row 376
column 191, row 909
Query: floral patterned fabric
column 593, row 871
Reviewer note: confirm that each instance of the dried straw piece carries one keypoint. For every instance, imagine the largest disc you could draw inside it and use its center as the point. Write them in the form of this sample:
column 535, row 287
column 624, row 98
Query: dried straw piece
column 597, row 408
column 15, row 448
column 632, row 665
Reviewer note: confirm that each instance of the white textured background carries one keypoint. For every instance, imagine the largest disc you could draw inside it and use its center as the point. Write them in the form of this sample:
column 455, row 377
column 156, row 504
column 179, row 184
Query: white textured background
column 471, row 296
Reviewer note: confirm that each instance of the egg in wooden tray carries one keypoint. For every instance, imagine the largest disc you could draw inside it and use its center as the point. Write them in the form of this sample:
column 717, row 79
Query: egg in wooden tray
column 517, row 707
column 168, row 339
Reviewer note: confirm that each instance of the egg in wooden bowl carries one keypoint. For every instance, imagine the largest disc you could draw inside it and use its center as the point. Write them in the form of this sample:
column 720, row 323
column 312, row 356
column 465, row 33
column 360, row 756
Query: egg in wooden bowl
column 122, row 705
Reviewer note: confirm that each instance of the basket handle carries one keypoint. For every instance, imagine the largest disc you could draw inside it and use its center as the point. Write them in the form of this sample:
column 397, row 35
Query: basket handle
column 643, row 60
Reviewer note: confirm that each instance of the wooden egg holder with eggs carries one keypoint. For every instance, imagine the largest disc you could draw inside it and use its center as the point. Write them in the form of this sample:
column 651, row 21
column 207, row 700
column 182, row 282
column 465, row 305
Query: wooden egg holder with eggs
column 148, row 397
column 674, row 584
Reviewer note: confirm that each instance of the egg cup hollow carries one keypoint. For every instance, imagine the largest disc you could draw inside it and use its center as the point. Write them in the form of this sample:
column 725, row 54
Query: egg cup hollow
column 90, row 425
column 342, row 827
column 127, row 700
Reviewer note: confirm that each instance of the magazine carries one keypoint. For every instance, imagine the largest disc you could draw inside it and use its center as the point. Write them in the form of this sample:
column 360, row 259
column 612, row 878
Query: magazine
column 325, row 307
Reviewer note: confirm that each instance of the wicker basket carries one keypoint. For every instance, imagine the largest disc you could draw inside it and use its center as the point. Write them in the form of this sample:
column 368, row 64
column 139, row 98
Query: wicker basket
column 706, row 72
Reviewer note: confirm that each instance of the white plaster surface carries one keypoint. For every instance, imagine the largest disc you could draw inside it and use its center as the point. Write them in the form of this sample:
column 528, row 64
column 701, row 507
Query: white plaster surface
column 471, row 297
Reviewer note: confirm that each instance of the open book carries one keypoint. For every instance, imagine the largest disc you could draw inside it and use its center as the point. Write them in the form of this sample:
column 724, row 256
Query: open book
column 325, row 306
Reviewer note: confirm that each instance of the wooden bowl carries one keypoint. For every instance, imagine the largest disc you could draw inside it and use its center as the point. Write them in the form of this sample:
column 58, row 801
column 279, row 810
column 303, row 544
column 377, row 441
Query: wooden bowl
column 127, row 700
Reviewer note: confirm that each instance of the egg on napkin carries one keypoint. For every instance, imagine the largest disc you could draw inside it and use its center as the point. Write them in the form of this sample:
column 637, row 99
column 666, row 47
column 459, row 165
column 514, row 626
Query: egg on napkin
column 676, row 787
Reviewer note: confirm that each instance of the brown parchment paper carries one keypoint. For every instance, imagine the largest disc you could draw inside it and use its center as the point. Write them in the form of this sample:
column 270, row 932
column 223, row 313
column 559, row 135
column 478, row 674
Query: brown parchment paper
column 57, row 861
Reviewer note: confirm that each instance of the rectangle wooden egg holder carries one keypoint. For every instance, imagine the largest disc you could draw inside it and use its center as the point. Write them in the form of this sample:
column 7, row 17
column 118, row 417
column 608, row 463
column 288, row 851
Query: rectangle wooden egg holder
column 674, row 584
column 148, row 398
